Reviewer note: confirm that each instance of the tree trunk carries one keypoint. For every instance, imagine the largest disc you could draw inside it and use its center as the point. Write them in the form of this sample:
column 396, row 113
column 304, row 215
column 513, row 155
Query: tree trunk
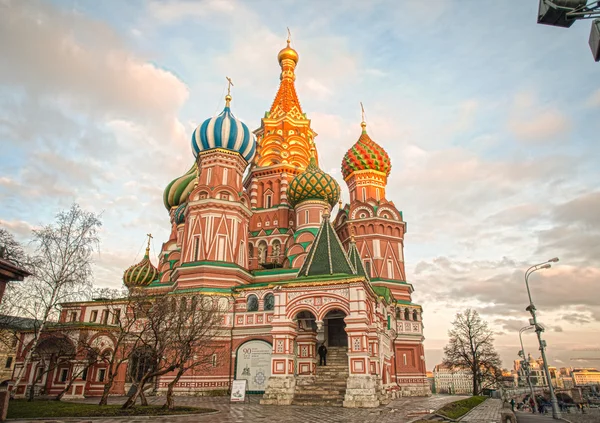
column 143, row 399
column 133, row 398
column 170, row 403
column 105, row 391
column 109, row 383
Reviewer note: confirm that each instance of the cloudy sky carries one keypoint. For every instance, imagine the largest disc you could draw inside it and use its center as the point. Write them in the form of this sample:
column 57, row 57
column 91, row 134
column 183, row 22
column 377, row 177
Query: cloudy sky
column 491, row 122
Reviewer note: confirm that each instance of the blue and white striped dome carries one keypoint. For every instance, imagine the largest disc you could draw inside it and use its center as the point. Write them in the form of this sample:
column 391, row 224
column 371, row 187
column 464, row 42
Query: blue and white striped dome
column 224, row 131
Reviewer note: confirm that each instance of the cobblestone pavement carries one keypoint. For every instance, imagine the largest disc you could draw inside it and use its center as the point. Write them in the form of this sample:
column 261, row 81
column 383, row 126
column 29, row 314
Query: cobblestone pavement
column 402, row 410
column 590, row 416
column 486, row 412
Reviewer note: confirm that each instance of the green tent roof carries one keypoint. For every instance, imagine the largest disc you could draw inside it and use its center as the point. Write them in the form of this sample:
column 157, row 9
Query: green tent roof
column 326, row 256
column 355, row 260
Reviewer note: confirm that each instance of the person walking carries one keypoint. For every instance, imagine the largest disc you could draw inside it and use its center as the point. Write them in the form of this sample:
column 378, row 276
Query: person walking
column 512, row 404
column 322, row 355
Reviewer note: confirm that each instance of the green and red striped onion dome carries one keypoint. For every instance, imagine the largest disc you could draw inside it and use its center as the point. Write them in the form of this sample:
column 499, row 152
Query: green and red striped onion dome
column 140, row 274
column 177, row 192
column 313, row 184
column 366, row 154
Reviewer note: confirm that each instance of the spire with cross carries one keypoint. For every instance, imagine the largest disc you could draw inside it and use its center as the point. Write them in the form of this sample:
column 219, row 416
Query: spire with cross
column 228, row 96
column 148, row 246
column 363, row 123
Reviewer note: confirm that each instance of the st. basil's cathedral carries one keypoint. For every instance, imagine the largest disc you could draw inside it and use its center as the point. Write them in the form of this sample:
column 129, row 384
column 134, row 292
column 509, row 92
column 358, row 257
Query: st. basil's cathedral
column 252, row 225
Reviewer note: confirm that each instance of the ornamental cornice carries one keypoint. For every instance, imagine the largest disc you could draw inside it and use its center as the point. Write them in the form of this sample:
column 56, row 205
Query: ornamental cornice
column 223, row 204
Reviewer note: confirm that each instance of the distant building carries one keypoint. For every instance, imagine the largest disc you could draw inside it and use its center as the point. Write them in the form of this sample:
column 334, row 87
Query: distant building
column 452, row 380
column 586, row 377
column 431, row 381
column 510, row 379
column 9, row 328
column 536, row 372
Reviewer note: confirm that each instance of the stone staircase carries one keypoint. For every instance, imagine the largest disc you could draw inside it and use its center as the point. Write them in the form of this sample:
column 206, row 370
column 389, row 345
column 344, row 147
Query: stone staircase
column 328, row 387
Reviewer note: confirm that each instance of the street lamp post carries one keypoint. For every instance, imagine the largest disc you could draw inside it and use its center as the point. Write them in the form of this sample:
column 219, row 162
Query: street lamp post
column 527, row 373
column 539, row 329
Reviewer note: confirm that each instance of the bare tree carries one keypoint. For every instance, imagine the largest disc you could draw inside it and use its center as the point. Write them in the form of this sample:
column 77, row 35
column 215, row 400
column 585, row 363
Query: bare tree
column 13, row 251
column 193, row 345
column 174, row 336
column 62, row 270
column 471, row 347
column 124, row 336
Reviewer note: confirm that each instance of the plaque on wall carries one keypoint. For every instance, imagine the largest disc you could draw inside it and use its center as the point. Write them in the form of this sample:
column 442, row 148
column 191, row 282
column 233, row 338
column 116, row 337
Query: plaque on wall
column 253, row 364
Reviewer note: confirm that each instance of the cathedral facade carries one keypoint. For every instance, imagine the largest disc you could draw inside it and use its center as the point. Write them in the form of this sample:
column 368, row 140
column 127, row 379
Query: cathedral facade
column 259, row 226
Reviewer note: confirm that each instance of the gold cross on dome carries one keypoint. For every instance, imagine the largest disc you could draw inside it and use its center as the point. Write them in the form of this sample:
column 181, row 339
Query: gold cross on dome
column 289, row 35
column 149, row 238
column 363, row 111
column 229, row 85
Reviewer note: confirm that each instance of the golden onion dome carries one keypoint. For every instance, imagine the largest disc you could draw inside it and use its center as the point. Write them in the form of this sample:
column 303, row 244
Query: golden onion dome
column 141, row 274
column 288, row 53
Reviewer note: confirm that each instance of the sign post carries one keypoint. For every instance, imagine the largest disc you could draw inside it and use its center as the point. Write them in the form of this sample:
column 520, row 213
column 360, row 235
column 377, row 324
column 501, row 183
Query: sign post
column 238, row 390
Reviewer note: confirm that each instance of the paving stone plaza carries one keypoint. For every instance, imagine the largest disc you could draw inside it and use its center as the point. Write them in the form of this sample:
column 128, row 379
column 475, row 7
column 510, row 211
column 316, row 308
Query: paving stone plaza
column 402, row 410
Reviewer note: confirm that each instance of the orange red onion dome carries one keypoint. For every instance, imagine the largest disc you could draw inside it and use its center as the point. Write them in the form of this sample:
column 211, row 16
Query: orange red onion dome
column 313, row 184
column 366, row 154
column 178, row 190
column 141, row 274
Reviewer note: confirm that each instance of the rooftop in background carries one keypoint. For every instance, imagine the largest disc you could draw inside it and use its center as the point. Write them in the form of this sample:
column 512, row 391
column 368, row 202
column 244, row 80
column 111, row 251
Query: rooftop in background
column 10, row 272
column 16, row 322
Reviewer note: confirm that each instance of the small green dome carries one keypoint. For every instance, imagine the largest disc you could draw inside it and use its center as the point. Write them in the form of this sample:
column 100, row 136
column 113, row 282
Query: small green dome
column 140, row 274
column 313, row 184
column 177, row 192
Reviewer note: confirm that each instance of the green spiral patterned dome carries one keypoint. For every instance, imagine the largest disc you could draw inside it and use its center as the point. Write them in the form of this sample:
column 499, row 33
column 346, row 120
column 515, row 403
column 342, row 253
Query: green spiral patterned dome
column 177, row 192
column 313, row 184
column 140, row 274
column 179, row 215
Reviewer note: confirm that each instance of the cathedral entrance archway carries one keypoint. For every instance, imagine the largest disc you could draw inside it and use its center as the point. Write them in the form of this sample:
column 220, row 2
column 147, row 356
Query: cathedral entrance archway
column 335, row 329
column 305, row 344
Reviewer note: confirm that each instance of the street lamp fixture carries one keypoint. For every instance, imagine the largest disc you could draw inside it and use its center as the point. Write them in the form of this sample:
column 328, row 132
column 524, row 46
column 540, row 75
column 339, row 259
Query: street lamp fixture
column 564, row 13
column 526, row 365
column 539, row 329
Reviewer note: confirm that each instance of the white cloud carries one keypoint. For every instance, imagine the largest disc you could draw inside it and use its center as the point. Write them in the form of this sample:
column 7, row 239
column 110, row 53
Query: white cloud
column 594, row 100
column 171, row 11
column 532, row 122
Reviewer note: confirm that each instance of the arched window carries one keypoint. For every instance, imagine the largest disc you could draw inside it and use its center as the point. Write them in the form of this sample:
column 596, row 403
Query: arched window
column 252, row 303
column 225, row 176
column 368, row 268
column 183, row 305
column 276, row 249
column 242, row 252
column 268, row 201
column 262, row 252
column 174, row 305
column 415, row 315
column 406, row 315
column 194, row 303
column 364, row 194
column 269, row 302
column 250, row 250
